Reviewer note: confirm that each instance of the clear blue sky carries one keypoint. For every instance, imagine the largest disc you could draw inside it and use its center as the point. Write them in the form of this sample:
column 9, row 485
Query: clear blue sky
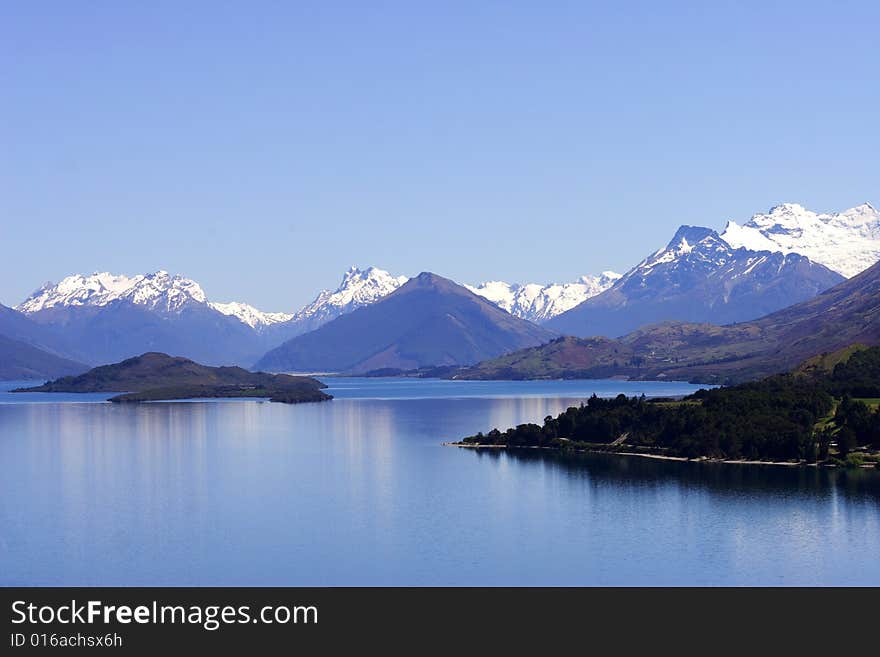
column 261, row 148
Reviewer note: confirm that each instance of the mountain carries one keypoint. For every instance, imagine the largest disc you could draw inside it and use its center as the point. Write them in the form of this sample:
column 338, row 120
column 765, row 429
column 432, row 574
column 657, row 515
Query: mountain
column 536, row 303
column 31, row 351
column 247, row 314
column 698, row 277
column 78, row 290
column 159, row 292
column 22, row 361
column 108, row 317
column 17, row 326
column 105, row 318
column 563, row 358
column 359, row 288
column 427, row 321
column 156, row 376
column 20, row 328
column 846, row 242
column 539, row 303
column 845, row 315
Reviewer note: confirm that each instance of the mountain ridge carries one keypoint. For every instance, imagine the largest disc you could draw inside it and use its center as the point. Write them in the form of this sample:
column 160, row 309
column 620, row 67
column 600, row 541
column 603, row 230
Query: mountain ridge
column 847, row 242
column 539, row 303
column 20, row 361
column 844, row 315
column 429, row 320
column 697, row 277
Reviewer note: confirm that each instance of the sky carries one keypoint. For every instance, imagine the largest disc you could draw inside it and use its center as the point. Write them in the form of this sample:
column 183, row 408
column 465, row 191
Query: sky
column 262, row 148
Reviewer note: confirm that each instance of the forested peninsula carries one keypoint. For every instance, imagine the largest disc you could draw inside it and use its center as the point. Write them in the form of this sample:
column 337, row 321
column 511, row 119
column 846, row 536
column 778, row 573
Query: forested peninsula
column 825, row 412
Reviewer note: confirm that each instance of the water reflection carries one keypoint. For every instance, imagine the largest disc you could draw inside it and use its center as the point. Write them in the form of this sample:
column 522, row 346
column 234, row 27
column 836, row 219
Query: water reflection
column 720, row 478
column 360, row 491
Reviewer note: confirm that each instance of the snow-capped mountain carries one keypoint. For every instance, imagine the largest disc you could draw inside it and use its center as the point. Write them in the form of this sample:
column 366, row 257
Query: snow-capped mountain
column 256, row 319
column 359, row 287
column 698, row 277
column 539, row 303
column 99, row 289
column 107, row 317
column 160, row 292
column 428, row 321
column 847, row 242
column 163, row 292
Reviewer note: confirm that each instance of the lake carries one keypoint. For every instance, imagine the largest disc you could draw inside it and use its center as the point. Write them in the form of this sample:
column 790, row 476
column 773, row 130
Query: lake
column 360, row 491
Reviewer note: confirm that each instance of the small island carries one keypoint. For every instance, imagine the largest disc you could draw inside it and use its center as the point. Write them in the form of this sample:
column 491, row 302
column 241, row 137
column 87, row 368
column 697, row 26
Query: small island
column 825, row 412
column 155, row 376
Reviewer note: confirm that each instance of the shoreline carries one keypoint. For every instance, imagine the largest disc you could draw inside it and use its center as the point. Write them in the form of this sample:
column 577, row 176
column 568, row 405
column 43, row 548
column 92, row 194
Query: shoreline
column 661, row 457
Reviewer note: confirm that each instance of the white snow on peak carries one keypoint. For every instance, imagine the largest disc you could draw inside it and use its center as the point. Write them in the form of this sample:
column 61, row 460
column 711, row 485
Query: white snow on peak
column 164, row 292
column 254, row 318
column 359, row 287
column 98, row 289
column 741, row 236
column 539, row 303
column 693, row 244
column 847, row 242
column 159, row 291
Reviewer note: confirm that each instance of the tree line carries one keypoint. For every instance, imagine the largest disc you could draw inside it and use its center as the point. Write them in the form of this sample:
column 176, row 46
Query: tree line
column 800, row 416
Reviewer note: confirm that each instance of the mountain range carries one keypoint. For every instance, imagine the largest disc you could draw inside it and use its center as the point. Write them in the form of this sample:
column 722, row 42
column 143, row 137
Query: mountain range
column 105, row 317
column 698, row 277
column 539, row 303
column 359, row 287
column 428, row 321
column 773, row 260
column 845, row 315
column 158, row 292
column 847, row 242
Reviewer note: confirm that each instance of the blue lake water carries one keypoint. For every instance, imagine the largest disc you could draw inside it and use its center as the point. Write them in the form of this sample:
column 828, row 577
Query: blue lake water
column 359, row 491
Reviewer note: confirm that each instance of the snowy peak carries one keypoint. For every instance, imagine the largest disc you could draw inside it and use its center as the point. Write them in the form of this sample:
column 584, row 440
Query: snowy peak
column 362, row 287
column 256, row 319
column 686, row 237
column 846, row 242
column 698, row 277
column 160, row 292
column 359, row 287
column 691, row 246
column 539, row 303
column 99, row 289
column 367, row 283
column 165, row 293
